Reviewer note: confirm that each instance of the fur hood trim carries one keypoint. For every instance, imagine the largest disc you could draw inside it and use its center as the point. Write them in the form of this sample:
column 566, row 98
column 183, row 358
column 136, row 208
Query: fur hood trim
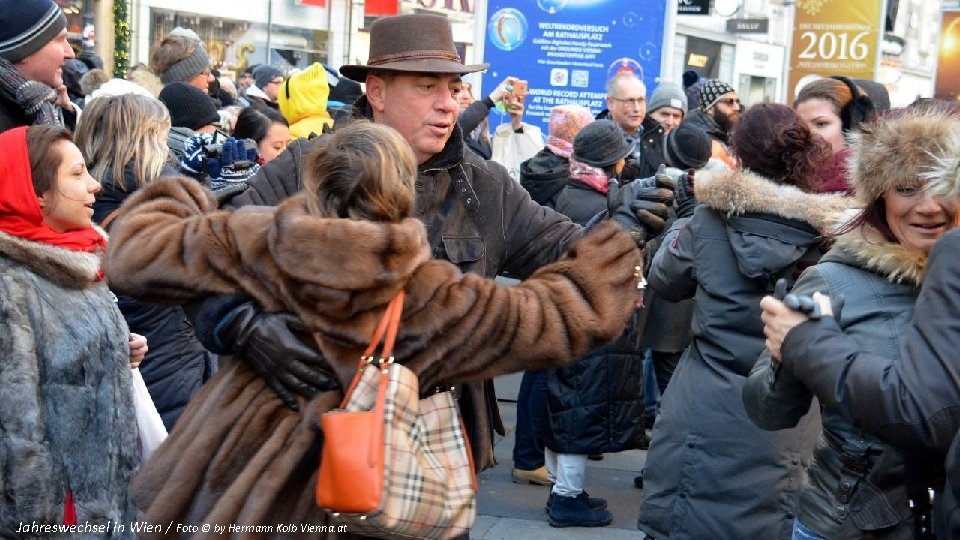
column 894, row 261
column 67, row 268
column 741, row 191
column 909, row 148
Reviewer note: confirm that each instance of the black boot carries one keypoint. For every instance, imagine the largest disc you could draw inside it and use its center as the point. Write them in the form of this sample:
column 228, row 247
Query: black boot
column 576, row 512
column 596, row 503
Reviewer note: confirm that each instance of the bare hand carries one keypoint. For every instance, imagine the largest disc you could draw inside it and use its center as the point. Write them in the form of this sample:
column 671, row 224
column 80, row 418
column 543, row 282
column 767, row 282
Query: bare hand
column 138, row 349
column 501, row 89
column 63, row 98
column 778, row 320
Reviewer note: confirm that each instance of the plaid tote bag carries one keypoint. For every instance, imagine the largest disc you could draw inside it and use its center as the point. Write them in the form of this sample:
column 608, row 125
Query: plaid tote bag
column 394, row 465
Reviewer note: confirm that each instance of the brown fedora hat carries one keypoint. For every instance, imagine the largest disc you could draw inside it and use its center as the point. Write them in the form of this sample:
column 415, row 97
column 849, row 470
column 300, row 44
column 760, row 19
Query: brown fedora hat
column 414, row 43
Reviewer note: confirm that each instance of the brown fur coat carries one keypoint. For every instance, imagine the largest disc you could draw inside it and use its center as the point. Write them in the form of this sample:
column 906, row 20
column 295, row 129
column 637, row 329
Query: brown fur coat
column 238, row 455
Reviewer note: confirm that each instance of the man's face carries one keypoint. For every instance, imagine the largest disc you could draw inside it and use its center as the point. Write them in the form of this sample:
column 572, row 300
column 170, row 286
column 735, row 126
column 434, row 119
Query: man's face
column 272, row 88
column 421, row 106
column 46, row 64
column 202, row 81
column 726, row 111
column 668, row 117
column 628, row 104
column 245, row 80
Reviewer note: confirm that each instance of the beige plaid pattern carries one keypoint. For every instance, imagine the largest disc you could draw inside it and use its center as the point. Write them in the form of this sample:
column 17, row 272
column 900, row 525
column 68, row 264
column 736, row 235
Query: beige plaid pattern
column 428, row 478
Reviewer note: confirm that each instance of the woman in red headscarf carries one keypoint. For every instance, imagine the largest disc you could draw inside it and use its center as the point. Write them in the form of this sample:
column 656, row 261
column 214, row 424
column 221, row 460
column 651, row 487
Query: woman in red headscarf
column 68, row 445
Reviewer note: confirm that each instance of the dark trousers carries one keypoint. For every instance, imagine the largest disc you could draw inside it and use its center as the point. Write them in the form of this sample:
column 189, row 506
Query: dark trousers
column 664, row 364
column 527, row 446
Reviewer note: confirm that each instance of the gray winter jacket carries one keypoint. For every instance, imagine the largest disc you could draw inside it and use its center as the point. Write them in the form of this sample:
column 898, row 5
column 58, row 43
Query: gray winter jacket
column 913, row 402
column 710, row 473
column 855, row 484
column 67, row 422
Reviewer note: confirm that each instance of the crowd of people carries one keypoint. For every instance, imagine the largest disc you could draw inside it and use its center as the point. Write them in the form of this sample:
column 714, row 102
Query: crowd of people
column 236, row 241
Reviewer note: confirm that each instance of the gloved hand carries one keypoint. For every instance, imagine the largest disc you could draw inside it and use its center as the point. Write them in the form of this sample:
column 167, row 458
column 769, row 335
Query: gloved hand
column 279, row 349
column 684, row 196
column 641, row 206
column 235, row 163
column 194, row 158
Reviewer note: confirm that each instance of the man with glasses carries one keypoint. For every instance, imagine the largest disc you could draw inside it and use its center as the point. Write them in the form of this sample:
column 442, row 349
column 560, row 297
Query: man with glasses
column 627, row 106
column 266, row 85
column 718, row 115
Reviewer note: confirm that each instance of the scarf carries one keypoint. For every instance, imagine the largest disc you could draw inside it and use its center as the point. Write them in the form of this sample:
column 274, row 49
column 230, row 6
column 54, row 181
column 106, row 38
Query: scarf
column 34, row 98
column 20, row 213
column 589, row 175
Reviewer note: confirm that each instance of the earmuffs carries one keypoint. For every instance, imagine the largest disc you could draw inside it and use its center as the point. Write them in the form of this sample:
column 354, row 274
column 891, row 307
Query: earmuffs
column 861, row 109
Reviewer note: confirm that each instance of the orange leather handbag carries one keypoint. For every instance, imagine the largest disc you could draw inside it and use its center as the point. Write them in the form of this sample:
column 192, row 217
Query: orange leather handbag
column 393, row 464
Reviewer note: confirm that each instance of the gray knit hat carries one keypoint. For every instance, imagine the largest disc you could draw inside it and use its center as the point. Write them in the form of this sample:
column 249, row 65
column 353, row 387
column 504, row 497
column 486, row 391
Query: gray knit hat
column 601, row 144
column 27, row 25
column 189, row 67
column 264, row 74
column 668, row 95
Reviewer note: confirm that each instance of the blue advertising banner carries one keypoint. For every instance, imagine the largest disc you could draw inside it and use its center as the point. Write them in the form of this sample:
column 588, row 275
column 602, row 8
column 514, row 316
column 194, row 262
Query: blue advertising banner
column 567, row 50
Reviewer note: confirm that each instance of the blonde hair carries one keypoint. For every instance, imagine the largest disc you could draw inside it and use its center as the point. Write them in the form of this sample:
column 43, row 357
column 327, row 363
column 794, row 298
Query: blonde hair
column 116, row 132
column 362, row 171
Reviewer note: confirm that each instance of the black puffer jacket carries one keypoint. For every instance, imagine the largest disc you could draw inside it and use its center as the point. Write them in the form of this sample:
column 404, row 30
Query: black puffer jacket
column 544, row 176
column 177, row 365
column 476, row 217
column 595, row 406
column 911, row 402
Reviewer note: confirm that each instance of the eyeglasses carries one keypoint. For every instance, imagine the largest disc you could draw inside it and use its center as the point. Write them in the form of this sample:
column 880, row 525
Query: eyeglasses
column 730, row 102
column 636, row 102
column 276, row 81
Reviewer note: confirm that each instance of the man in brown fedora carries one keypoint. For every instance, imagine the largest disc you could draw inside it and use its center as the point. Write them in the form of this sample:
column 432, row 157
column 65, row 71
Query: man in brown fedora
column 476, row 216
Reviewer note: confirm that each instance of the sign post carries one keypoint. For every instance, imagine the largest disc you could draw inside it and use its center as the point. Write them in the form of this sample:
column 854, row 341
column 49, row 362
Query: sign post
column 835, row 37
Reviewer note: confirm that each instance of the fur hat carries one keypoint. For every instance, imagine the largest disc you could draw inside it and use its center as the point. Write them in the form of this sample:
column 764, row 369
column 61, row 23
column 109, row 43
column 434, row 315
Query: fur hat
column 601, row 143
column 710, row 93
column 906, row 148
column 668, row 95
column 189, row 107
column 27, row 25
column 412, row 43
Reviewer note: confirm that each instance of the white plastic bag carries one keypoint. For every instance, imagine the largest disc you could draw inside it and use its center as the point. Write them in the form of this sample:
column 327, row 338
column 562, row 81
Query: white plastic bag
column 150, row 426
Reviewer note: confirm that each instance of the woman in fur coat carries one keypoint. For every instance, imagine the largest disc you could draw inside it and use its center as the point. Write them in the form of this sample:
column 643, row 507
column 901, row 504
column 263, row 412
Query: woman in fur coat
column 856, row 485
column 68, row 433
column 334, row 255
column 711, row 473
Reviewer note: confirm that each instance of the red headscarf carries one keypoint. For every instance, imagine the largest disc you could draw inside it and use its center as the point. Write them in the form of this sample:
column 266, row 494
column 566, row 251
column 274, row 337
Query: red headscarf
column 20, row 213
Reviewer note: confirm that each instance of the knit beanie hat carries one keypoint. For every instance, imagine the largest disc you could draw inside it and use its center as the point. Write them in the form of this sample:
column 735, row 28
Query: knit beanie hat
column 27, row 25
column 565, row 122
column 264, row 74
column 668, row 95
column 710, row 92
column 687, row 147
column 600, row 143
column 189, row 106
column 189, row 67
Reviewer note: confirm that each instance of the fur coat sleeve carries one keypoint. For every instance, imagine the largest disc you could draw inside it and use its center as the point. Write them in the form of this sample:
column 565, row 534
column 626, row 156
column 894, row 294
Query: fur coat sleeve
column 170, row 244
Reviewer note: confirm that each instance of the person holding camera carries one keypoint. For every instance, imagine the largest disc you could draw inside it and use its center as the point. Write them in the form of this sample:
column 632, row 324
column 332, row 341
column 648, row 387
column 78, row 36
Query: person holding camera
column 517, row 141
column 710, row 472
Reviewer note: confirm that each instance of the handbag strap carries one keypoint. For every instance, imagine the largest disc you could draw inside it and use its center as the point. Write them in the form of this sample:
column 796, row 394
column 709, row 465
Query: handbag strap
column 387, row 328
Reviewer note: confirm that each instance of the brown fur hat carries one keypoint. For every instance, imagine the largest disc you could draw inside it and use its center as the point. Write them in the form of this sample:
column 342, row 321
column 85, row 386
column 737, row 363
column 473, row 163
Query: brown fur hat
column 907, row 147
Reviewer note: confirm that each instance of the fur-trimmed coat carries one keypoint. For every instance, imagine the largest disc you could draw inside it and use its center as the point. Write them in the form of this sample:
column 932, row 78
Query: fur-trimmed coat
column 67, row 421
column 710, row 472
column 254, row 461
column 880, row 281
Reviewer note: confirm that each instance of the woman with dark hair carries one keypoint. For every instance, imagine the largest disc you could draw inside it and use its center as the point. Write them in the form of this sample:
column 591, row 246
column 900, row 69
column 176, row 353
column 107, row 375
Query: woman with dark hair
column 266, row 127
column 857, row 486
column 68, row 442
column 832, row 108
column 710, row 472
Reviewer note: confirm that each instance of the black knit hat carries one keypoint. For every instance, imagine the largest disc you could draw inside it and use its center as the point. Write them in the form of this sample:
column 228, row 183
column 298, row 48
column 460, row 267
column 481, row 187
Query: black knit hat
column 264, row 73
column 687, row 147
column 711, row 92
column 189, row 106
column 27, row 25
column 600, row 143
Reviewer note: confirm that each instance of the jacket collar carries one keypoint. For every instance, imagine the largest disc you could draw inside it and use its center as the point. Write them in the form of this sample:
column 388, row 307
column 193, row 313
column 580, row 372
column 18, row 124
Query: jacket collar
column 896, row 262
column 70, row 269
column 739, row 192
column 449, row 157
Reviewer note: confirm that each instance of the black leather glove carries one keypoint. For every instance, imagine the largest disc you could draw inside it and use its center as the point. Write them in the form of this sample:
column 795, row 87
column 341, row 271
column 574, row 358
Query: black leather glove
column 684, row 196
column 641, row 207
column 279, row 349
